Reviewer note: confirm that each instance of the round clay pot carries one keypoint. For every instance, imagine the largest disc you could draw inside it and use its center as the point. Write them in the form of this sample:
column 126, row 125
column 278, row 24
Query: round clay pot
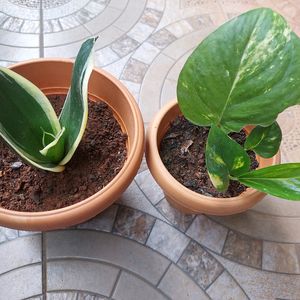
column 53, row 76
column 178, row 195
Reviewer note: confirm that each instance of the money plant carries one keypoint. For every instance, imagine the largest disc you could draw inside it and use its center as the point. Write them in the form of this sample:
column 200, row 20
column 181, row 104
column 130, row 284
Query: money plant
column 244, row 73
column 29, row 124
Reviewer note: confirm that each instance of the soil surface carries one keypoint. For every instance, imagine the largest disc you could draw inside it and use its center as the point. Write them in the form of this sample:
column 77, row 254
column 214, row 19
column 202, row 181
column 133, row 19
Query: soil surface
column 182, row 151
column 97, row 160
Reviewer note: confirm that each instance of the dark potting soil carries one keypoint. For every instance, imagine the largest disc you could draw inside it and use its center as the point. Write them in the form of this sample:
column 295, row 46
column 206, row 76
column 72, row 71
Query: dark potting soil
column 97, row 160
column 182, row 151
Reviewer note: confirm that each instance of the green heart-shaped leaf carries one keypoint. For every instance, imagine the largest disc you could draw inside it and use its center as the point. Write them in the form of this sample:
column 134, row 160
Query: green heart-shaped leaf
column 265, row 141
column 245, row 72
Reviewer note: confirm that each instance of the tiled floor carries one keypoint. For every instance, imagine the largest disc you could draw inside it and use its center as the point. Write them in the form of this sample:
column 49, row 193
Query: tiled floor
column 141, row 248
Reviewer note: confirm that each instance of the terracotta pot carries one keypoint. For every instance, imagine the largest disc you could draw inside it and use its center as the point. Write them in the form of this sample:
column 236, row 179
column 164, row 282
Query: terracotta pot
column 178, row 195
column 53, row 77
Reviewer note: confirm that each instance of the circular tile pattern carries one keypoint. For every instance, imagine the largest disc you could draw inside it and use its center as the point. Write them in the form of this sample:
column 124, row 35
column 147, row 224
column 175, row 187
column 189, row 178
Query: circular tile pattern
column 36, row 3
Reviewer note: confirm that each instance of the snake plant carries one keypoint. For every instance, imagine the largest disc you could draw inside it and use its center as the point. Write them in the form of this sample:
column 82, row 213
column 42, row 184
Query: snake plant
column 244, row 73
column 29, row 124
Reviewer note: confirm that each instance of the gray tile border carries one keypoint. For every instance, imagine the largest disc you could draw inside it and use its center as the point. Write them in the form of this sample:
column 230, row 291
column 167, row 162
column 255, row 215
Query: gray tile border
column 20, row 252
column 82, row 275
column 133, row 224
column 243, row 249
column 177, row 285
column 283, row 258
column 22, row 283
column 200, row 265
column 225, row 288
column 130, row 287
column 178, row 219
column 108, row 248
column 208, row 233
column 167, row 240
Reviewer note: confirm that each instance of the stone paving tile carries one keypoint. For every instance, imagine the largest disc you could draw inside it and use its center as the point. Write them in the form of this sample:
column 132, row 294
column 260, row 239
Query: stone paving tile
column 180, row 28
column 134, row 88
column 167, row 240
column 178, row 219
column 14, row 258
column 140, row 32
column 74, row 296
column 162, row 38
column 133, row 224
column 208, row 233
column 262, row 284
column 103, row 222
column 134, row 198
column 104, row 20
column 36, row 298
column 143, row 166
column 178, row 285
column 81, row 275
column 124, row 45
column 21, row 283
column 146, row 53
column 149, row 186
column 30, row 26
column 152, row 84
column 200, row 265
column 281, row 257
column 117, row 67
column 134, row 71
column 130, row 287
column 199, row 22
column 105, row 56
column 7, row 234
column 17, row 53
column 243, row 249
column 225, row 288
column 131, row 14
column 151, row 17
column 105, row 247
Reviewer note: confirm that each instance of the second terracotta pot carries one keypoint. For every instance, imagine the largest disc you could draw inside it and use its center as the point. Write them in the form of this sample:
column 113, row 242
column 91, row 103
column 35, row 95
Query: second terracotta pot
column 178, row 195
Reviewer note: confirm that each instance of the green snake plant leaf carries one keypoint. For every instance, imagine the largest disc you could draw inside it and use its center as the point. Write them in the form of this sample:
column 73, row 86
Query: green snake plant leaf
column 245, row 72
column 224, row 158
column 23, row 106
column 265, row 141
column 279, row 180
column 75, row 110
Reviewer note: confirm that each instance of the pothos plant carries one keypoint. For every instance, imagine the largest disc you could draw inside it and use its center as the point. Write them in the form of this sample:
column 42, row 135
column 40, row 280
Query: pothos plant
column 244, row 73
column 29, row 124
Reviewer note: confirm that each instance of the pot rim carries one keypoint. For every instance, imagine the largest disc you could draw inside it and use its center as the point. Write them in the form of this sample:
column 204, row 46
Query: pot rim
column 169, row 183
column 137, row 146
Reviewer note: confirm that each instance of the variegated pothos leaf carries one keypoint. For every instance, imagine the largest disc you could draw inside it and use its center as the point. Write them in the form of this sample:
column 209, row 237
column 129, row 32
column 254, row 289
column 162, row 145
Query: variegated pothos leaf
column 224, row 157
column 245, row 72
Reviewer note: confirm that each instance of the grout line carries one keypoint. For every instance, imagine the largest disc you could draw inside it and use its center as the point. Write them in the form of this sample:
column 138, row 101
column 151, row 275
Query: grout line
column 115, row 284
column 155, row 221
column 207, row 287
column 41, row 35
column 163, row 275
column 226, row 238
column 44, row 266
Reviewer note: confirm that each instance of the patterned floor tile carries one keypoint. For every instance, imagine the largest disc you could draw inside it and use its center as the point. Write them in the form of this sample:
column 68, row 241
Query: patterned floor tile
column 200, row 265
